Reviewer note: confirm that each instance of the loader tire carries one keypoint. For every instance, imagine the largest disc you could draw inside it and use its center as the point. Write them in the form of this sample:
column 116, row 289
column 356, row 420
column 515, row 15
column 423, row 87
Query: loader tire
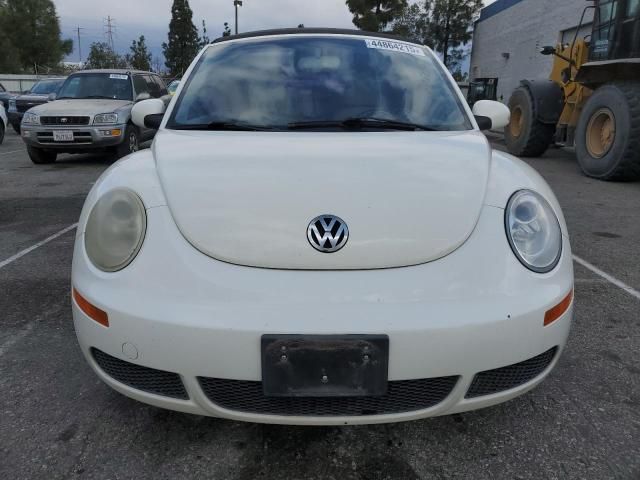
column 608, row 133
column 526, row 136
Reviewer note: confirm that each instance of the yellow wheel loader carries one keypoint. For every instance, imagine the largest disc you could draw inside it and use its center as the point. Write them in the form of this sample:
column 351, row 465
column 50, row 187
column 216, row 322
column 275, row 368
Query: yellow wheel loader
column 592, row 100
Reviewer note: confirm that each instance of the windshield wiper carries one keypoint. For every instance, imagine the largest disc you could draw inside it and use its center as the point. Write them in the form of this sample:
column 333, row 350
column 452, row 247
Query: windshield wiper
column 100, row 96
column 228, row 125
column 362, row 122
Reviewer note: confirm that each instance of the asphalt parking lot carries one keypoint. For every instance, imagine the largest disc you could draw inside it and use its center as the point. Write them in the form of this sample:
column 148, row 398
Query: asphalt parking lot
column 57, row 420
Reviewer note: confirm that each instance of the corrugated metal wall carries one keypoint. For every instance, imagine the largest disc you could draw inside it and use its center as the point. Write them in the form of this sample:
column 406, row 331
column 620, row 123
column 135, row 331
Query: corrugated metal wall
column 19, row 83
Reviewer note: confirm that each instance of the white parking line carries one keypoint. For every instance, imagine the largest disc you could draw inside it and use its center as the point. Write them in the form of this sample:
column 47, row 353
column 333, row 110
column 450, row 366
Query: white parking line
column 618, row 283
column 13, row 151
column 630, row 290
column 21, row 254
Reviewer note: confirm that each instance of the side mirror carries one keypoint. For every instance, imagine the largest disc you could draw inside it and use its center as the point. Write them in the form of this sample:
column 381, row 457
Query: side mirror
column 547, row 50
column 148, row 113
column 491, row 114
column 52, row 97
column 142, row 96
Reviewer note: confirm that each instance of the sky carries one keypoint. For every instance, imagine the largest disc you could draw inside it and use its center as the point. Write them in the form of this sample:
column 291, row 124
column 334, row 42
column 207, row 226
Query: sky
column 132, row 18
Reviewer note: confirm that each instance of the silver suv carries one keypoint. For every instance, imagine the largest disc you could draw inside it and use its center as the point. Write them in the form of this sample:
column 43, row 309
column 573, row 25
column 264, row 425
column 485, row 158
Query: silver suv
column 92, row 112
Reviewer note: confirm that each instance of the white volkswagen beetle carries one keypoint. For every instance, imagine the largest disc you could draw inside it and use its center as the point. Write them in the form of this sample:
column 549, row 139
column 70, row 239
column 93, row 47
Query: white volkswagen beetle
column 321, row 234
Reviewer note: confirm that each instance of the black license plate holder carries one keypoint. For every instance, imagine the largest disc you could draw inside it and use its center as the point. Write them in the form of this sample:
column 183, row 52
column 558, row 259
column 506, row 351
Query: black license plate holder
column 324, row 365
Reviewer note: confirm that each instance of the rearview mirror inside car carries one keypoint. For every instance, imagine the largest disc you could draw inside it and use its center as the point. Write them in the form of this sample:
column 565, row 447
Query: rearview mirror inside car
column 491, row 114
column 148, row 113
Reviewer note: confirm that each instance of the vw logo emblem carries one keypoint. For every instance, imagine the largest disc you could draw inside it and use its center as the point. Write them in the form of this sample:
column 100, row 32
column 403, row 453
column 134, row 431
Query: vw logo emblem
column 327, row 233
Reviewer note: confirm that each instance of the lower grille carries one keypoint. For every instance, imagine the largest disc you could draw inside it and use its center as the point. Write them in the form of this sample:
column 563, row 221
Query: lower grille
column 78, row 137
column 73, row 120
column 506, row 378
column 402, row 396
column 142, row 378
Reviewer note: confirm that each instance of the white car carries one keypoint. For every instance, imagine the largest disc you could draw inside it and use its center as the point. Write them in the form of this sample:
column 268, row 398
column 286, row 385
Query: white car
column 3, row 123
column 321, row 234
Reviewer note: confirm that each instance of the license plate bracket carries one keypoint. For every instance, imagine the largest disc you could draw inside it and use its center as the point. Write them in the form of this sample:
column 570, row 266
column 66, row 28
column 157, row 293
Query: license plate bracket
column 324, row 365
column 62, row 136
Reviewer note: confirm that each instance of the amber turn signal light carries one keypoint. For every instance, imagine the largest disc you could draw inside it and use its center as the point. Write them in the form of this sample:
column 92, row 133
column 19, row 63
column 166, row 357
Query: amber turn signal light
column 90, row 310
column 556, row 312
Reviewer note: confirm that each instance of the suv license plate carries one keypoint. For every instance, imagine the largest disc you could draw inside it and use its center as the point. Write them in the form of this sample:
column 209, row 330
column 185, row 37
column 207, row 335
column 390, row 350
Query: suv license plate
column 63, row 136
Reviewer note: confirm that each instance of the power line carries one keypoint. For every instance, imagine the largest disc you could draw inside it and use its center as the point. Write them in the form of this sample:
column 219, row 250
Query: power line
column 110, row 27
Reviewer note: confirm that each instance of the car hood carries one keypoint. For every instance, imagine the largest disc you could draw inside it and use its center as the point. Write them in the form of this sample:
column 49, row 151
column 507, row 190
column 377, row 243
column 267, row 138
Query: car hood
column 80, row 107
column 247, row 197
column 32, row 98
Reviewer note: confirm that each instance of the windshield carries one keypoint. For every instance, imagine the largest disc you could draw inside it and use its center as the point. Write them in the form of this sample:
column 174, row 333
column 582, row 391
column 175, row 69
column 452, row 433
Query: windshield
column 97, row 85
column 46, row 87
column 279, row 82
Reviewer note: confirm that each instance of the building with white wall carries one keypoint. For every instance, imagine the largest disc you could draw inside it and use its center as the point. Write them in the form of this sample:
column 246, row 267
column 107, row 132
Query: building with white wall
column 509, row 34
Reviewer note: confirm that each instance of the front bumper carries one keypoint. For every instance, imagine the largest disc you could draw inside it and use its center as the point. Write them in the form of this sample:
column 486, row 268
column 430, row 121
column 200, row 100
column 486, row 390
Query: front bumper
column 176, row 310
column 86, row 137
column 15, row 118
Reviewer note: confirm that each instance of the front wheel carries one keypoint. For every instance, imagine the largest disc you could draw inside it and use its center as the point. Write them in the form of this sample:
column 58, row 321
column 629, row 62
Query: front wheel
column 525, row 135
column 608, row 133
column 39, row 156
column 1, row 133
column 16, row 128
column 130, row 144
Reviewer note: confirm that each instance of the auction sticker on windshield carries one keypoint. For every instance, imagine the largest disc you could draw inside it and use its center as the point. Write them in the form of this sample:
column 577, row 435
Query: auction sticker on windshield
column 117, row 76
column 394, row 46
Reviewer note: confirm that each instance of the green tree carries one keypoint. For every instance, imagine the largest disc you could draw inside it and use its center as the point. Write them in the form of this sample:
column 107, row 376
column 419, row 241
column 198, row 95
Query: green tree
column 204, row 39
column 412, row 23
column 9, row 61
column 30, row 35
column 450, row 24
column 375, row 15
column 183, row 43
column 140, row 57
column 101, row 56
column 227, row 31
column 456, row 60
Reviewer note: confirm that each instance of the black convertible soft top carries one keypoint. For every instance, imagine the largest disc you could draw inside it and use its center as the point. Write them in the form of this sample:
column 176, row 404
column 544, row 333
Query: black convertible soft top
column 298, row 31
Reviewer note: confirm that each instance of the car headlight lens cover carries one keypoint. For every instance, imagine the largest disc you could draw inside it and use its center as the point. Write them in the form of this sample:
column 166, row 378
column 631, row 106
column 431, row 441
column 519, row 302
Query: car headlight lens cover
column 533, row 231
column 115, row 230
column 31, row 119
column 105, row 119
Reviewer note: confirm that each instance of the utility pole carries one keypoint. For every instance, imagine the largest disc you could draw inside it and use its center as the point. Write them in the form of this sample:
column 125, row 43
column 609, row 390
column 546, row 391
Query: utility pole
column 79, row 44
column 237, row 3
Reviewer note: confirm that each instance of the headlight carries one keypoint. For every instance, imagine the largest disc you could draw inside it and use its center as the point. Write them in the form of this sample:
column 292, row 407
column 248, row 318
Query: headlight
column 115, row 230
column 12, row 105
column 105, row 119
column 533, row 231
column 31, row 119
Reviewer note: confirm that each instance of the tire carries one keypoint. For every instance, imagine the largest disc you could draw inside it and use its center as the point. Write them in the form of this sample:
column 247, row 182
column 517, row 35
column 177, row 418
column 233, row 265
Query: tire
column 1, row 133
column 525, row 136
column 129, row 146
column 608, row 133
column 16, row 128
column 39, row 156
